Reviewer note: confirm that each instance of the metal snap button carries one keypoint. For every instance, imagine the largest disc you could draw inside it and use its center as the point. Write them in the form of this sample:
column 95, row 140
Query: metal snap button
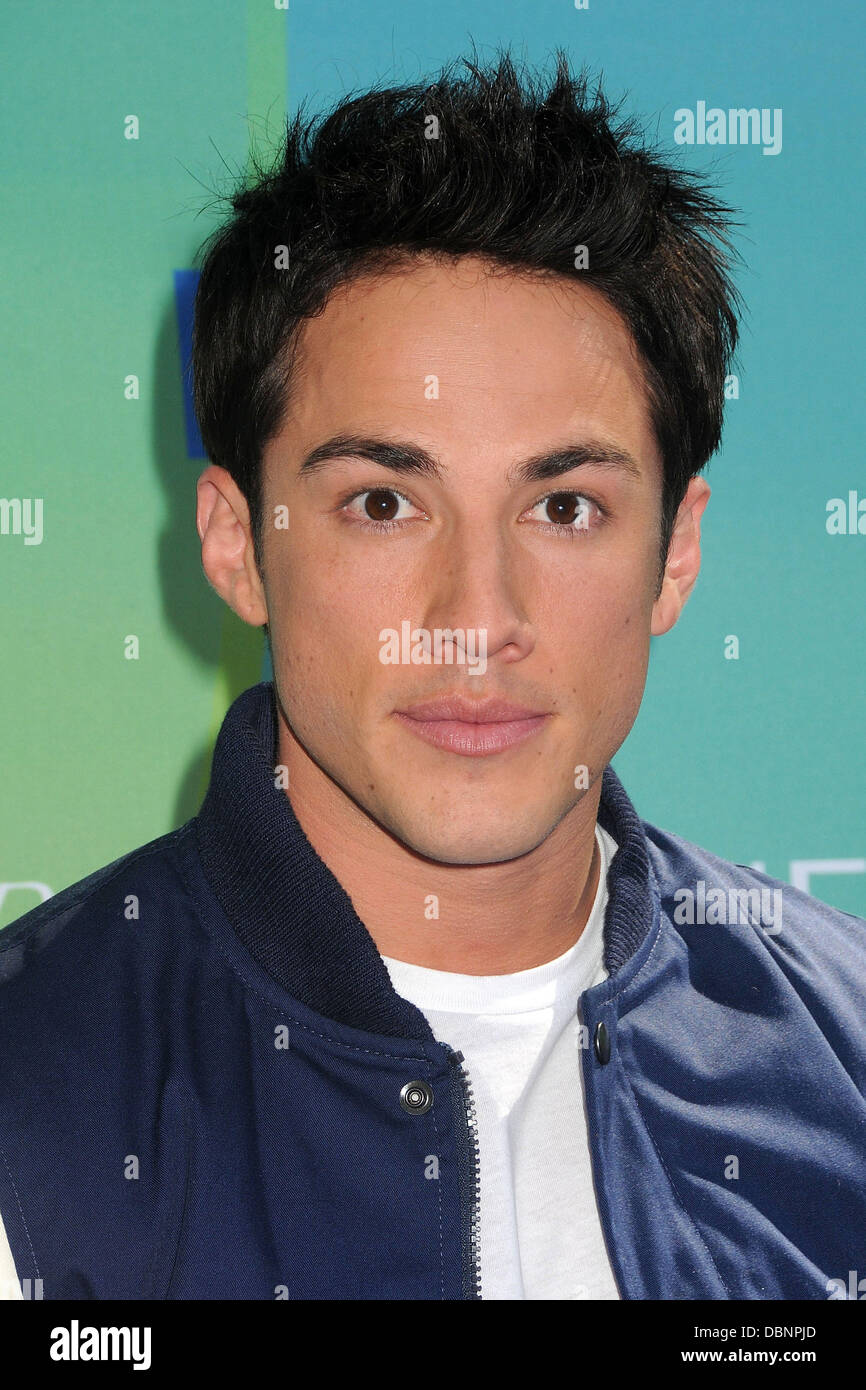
column 601, row 1043
column 416, row 1097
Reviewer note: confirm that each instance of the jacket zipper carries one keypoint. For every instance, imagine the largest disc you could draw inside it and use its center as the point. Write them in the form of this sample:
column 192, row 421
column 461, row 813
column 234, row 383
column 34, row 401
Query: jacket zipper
column 466, row 1130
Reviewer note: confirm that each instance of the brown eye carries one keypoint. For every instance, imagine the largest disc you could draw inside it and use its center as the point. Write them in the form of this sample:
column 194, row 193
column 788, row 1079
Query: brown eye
column 566, row 507
column 568, row 514
column 381, row 510
column 381, row 504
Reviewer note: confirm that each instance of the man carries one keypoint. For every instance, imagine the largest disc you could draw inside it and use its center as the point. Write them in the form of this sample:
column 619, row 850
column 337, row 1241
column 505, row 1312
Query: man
column 417, row 1007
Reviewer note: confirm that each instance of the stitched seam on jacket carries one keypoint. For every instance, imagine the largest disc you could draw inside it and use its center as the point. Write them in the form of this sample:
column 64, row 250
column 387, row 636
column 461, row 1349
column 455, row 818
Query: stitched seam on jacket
column 21, row 1213
column 615, row 994
column 254, row 989
column 184, row 1205
column 153, row 1267
column 439, row 1201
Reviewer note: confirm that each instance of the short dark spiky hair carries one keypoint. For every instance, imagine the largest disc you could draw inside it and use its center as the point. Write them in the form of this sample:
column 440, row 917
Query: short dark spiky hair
column 522, row 172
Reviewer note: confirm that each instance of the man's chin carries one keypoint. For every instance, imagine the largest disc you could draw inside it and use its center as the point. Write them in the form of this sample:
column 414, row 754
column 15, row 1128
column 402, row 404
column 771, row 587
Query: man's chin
column 472, row 843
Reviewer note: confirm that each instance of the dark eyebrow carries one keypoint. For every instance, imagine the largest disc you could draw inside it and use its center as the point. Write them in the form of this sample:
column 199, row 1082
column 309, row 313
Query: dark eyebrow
column 412, row 459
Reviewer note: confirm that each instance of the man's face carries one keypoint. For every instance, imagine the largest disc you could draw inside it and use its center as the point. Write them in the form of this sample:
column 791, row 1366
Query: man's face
column 483, row 373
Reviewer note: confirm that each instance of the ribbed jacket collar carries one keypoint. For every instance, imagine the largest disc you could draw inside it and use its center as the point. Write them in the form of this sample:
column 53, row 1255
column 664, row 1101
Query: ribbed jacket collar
column 297, row 920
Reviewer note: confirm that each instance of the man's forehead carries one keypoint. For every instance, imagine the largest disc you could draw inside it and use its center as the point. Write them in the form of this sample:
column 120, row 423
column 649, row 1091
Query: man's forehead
column 458, row 346
column 429, row 305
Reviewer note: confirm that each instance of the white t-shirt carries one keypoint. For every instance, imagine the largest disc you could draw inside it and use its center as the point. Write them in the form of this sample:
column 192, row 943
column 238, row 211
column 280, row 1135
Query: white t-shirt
column 540, row 1233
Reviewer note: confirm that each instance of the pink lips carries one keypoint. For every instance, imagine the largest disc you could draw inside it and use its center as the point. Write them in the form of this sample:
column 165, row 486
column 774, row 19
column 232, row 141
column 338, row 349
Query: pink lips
column 474, row 728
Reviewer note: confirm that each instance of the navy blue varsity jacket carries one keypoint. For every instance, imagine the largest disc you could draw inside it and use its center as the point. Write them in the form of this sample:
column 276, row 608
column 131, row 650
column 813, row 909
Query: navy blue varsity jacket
column 209, row 1087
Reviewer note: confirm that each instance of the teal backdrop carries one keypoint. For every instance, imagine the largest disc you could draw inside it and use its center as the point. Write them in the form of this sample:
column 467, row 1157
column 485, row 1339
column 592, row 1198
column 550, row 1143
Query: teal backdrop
column 121, row 122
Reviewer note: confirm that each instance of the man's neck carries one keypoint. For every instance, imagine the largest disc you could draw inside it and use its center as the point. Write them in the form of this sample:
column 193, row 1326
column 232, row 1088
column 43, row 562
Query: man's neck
column 485, row 919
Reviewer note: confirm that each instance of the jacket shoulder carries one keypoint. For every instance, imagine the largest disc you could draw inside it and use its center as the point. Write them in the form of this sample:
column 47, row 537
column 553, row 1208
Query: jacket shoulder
column 679, row 864
column 740, row 920
column 93, row 904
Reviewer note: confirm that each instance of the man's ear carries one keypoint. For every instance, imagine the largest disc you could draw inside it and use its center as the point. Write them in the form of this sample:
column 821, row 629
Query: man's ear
column 222, row 519
column 683, row 558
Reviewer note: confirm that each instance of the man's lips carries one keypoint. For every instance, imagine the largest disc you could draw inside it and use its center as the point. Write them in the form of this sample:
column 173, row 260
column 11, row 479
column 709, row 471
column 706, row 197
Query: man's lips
column 490, row 710
column 473, row 728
